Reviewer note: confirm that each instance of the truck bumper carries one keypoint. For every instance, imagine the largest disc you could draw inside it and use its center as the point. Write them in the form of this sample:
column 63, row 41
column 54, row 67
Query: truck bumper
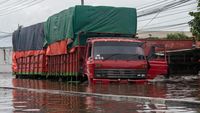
column 107, row 81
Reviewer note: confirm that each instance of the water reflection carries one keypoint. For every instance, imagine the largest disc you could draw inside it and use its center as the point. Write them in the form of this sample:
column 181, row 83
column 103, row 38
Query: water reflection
column 152, row 90
column 179, row 90
column 6, row 105
column 47, row 103
column 29, row 101
column 42, row 102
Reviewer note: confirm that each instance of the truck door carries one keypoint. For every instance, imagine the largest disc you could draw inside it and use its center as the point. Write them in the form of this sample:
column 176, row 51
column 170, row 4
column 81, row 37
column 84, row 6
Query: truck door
column 88, row 55
column 157, row 61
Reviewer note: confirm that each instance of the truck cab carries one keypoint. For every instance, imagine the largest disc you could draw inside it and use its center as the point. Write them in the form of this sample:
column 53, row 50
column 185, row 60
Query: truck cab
column 115, row 59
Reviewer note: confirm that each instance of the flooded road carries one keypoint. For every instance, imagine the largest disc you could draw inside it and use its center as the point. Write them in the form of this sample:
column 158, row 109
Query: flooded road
column 26, row 101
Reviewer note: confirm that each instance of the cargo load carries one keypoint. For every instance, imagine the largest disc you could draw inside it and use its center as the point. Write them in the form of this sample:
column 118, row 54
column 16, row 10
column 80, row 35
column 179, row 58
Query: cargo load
column 29, row 38
column 28, row 52
column 103, row 19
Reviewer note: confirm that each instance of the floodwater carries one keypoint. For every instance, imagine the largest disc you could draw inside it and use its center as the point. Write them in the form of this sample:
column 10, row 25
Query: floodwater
column 26, row 101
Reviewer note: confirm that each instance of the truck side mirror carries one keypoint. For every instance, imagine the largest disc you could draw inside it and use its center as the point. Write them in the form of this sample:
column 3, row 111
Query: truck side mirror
column 147, row 57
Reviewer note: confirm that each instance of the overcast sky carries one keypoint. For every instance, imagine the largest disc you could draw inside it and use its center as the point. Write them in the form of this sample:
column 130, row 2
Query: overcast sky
column 41, row 11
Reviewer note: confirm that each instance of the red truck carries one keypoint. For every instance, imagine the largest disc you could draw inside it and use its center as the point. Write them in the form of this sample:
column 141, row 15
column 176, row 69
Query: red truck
column 115, row 59
column 85, row 42
column 102, row 59
column 108, row 59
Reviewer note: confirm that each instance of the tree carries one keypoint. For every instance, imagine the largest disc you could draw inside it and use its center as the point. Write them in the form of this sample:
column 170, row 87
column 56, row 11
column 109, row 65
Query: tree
column 177, row 36
column 195, row 23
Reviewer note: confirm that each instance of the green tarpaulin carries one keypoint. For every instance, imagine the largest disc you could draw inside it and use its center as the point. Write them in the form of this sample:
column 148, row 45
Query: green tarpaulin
column 69, row 23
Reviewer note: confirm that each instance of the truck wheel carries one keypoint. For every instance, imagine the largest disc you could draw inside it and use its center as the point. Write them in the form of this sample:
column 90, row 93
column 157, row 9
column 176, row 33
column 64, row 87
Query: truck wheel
column 16, row 76
column 60, row 79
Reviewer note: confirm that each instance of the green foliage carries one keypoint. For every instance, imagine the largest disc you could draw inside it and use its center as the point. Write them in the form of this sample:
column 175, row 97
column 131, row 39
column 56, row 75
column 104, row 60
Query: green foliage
column 177, row 36
column 153, row 38
column 195, row 23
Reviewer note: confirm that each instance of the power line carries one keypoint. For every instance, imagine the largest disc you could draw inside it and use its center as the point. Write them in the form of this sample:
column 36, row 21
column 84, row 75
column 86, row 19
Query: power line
column 5, row 36
column 161, row 8
column 5, row 32
column 165, row 26
column 166, row 15
column 156, row 5
column 151, row 20
column 149, row 5
column 142, row 5
column 184, row 5
column 171, row 20
column 153, row 9
column 12, row 4
column 176, row 8
column 175, row 27
column 3, row 2
column 18, row 5
column 177, row 5
column 21, row 8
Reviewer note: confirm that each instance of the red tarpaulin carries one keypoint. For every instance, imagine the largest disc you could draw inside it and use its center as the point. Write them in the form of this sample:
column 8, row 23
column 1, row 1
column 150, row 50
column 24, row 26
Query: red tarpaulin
column 18, row 54
column 57, row 48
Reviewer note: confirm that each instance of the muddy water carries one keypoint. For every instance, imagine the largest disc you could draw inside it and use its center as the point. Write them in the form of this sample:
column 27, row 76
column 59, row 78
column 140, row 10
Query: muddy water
column 20, row 101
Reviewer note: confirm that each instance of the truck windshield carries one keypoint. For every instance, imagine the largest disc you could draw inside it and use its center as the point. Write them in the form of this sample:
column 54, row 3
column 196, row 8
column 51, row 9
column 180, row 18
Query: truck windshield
column 118, row 51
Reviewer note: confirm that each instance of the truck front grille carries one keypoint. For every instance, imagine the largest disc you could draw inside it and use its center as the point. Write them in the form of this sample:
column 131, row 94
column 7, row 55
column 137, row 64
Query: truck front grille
column 120, row 73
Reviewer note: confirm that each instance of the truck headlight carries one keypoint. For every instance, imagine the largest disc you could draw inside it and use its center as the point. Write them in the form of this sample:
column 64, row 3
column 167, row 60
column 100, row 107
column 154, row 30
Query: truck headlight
column 141, row 75
column 98, row 75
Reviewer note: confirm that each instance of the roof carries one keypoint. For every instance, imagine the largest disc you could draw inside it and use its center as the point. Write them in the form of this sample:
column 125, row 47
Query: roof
column 6, row 42
column 121, row 39
column 160, row 34
column 183, row 50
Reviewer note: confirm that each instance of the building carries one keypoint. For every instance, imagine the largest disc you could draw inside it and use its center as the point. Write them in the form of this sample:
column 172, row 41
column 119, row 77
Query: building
column 160, row 34
column 5, row 54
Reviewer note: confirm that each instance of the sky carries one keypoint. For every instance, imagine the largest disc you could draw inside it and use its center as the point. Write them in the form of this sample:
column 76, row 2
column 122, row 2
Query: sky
column 11, row 14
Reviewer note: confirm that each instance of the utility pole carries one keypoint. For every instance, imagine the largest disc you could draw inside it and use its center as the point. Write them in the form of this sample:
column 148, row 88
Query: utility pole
column 82, row 2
